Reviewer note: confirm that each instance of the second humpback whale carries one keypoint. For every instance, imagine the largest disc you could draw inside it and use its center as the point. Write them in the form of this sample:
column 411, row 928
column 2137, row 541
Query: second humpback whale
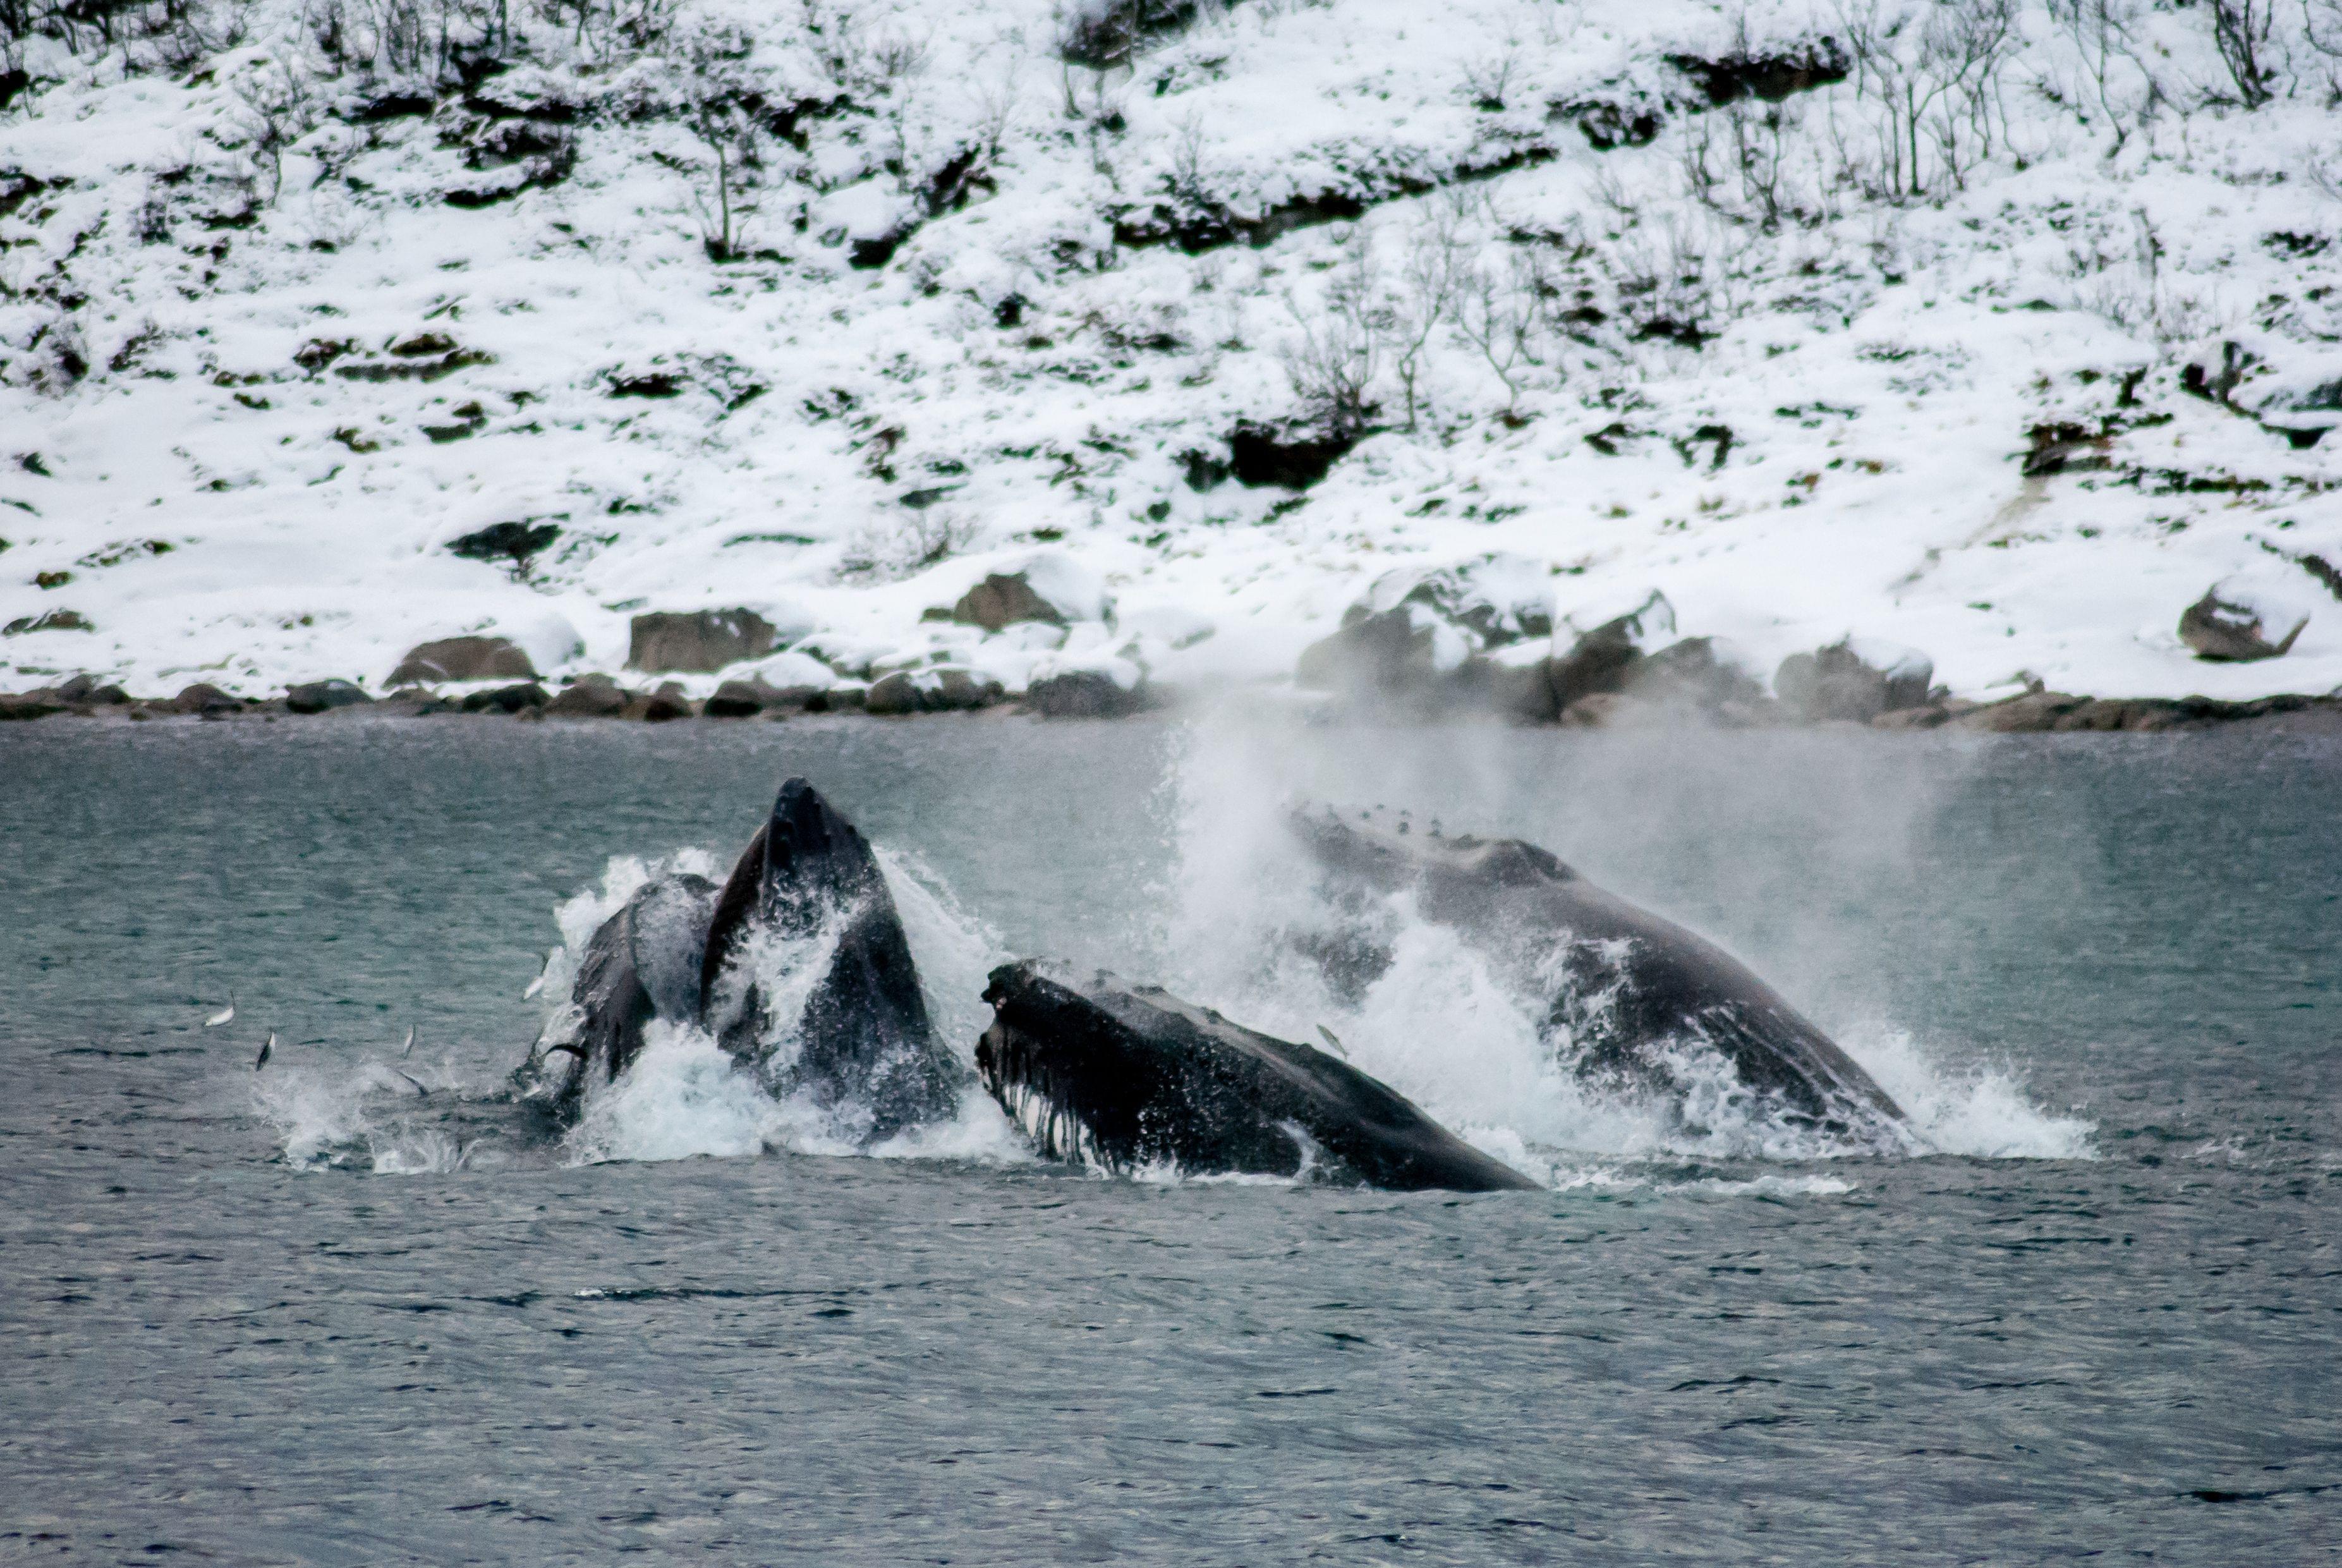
column 1127, row 1077
column 1624, row 990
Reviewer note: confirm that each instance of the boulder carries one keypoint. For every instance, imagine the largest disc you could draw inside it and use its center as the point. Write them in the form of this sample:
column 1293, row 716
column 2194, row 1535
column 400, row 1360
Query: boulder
column 593, row 696
column 1408, row 653
column 1084, row 695
column 321, row 696
column 844, row 698
column 931, row 691
column 1049, row 588
column 658, row 707
column 1002, row 600
column 1695, row 672
column 738, row 700
column 205, row 699
column 1853, row 682
column 2231, row 628
column 1604, row 654
column 508, row 699
column 28, row 706
column 1499, row 599
column 468, row 658
column 83, row 691
column 698, row 641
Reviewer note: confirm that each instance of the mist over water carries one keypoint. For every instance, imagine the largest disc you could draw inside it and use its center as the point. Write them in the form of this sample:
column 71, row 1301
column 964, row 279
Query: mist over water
column 2091, row 1312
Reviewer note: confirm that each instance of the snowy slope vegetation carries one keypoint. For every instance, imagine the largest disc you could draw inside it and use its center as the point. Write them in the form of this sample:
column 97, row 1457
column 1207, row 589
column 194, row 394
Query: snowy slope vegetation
column 1998, row 329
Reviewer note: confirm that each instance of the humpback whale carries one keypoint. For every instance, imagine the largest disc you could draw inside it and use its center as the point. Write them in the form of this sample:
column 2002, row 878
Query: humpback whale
column 860, row 1038
column 1126, row 1076
column 798, row 965
column 641, row 963
column 1622, row 988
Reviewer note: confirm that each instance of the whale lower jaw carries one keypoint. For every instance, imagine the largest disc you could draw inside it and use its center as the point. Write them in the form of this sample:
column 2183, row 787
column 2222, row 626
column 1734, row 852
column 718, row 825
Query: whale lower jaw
column 1056, row 1130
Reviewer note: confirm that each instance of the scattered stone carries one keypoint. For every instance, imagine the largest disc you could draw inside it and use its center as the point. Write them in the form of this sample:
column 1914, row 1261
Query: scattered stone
column 49, row 621
column 1405, row 654
column 1611, row 711
column 469, row 658
column 83, row 691
column 1084, row 695
column 595, row 696
column 1696, row 673
column 508, row 699
column 320, row 696
column 2226, row 630
column 513, row 542
column 698, row 641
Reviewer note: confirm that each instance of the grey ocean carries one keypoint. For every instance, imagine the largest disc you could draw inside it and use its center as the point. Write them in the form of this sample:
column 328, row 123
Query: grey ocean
column 353, row 1309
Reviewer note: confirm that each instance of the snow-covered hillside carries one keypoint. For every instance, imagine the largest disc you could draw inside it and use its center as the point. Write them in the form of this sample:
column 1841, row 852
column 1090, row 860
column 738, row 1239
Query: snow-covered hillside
column 1998, row 329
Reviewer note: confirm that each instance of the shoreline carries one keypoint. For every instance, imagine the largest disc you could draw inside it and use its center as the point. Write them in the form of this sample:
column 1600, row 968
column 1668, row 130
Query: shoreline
column 603, row 703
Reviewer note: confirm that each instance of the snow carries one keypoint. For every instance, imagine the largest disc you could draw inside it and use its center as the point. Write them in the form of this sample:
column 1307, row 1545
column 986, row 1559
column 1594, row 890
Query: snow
column 847, row 447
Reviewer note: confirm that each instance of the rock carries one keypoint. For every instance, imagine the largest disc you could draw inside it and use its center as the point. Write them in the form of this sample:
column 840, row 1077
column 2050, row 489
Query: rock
column 1002, row 600
column 205, row 699
column 1499, row 599
column 1603, row 654
column 1084, row 695
column 700, row 640
column 508, row 699
column 320, row 696
column 738, row 700
column 83, row 691
column 2230, row 630
column 1932, row 716
column 595, row 696
column 1853, row 682
column 465, row 658
column 52, row 621
column 28, row 706
column 513, row 542
column 1610, row 711
column 2032, row 712
column 894, row 696
column 1406, row 652
column 1522, row 690
column 657, row 707
column 1695, row 672
column 1049, row 588
column 845, row 698
column 932, row 691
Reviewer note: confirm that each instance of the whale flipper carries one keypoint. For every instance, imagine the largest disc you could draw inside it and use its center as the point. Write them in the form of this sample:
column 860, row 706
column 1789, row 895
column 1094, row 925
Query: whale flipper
column 860, row 1041
column 1616, row 985
column 1130, row 1076
column 642, row 962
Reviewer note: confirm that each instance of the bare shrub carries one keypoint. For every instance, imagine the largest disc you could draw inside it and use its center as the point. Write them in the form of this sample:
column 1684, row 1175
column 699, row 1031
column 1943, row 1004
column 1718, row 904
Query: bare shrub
column 2240, row 31
column 1333, row 367
column 1501, row 313
column 1930, row 73
column 900, row 546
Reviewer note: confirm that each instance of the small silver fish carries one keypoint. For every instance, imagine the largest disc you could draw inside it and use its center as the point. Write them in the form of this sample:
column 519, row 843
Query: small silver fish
column 1331, row 1043
column 408, row 1049
column 224, row 1016
column 268, row 1047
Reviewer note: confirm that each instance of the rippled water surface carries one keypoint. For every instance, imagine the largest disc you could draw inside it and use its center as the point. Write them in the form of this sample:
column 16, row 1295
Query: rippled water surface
column 350, row 1309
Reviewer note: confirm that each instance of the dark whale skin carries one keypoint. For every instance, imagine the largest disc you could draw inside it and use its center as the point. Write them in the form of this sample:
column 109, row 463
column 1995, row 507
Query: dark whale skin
column 642, row 962
column 864, row 1034
column 1131, row 1076
column 1561, row 940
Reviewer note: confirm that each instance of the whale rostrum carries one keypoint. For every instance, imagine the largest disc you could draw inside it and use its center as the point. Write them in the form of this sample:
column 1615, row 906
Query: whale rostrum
column 1127, row 1077
column 1623, row 992
column 861, row 1037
